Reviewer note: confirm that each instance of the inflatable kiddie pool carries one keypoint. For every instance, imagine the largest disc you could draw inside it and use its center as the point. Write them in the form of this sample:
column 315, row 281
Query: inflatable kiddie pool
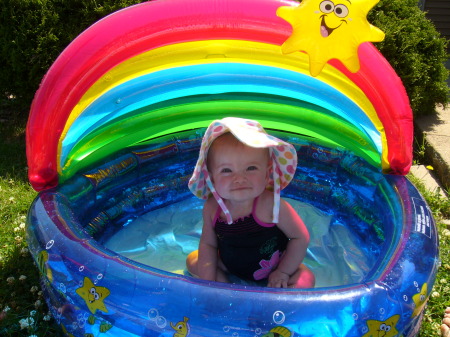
column 113, row 137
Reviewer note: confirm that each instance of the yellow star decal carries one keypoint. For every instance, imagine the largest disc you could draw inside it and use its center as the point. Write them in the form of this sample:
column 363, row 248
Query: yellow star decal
column 420, row 299
column 326, row 30
column 93, row 295
column 382, row 328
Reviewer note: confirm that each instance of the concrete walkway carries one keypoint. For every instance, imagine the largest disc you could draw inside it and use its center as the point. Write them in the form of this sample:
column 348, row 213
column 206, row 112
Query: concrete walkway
column 436, row 142
column 435, row 133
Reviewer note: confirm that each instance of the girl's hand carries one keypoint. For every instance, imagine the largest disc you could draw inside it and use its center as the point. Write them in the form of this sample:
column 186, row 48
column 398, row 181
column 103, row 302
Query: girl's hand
column 278, row 279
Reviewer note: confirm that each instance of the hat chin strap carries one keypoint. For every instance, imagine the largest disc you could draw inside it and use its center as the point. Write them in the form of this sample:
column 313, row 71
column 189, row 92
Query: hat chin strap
column 276, row 189
column 217, row 197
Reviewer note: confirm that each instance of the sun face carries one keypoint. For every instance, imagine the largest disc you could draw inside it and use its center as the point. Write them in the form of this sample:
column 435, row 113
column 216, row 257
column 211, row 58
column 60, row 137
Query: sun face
column 326, row 30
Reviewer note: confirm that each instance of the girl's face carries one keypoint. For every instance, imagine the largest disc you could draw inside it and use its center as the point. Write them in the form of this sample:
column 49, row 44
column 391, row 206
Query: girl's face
column 238, row 172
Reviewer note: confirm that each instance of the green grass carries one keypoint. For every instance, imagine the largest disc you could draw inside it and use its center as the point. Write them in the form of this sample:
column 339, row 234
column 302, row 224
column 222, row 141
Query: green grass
column 439, row 298
column 21, row 300
column 20, row 294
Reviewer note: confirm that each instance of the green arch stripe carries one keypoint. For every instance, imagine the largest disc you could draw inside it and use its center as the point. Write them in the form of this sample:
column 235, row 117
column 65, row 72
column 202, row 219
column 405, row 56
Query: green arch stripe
column 145, row 125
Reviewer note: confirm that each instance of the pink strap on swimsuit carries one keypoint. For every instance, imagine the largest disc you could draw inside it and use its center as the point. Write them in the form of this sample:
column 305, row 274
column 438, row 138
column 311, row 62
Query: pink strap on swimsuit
column 253, row 214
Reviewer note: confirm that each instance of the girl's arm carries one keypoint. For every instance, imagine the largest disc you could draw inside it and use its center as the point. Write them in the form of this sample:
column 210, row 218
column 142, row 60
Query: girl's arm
column 207, row 249
column 294, row 228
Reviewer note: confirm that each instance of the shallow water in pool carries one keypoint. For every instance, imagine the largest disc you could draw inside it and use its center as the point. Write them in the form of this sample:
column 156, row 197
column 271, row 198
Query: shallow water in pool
column 162, row 238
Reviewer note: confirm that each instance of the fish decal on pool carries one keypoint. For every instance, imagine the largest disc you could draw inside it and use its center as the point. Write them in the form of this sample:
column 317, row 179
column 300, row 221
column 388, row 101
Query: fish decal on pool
column 420, row 299
column 278, row 331
column 182, row 328
column 42, row 260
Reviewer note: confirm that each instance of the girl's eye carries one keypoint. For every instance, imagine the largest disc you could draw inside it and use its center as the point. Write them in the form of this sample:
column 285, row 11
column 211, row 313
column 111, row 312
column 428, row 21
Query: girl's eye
column 225, row 170
column 252, row 168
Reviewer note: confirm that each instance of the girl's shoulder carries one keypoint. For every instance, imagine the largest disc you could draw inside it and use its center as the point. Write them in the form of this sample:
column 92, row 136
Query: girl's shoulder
column 210, row 205
column 264, row 208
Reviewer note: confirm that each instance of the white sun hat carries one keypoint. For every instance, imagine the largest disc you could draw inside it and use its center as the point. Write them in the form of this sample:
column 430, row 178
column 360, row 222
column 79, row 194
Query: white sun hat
column 250, row 133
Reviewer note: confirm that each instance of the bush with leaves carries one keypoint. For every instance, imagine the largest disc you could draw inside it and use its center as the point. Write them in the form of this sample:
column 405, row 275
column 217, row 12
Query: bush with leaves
column 34, row 32
column 415, row 50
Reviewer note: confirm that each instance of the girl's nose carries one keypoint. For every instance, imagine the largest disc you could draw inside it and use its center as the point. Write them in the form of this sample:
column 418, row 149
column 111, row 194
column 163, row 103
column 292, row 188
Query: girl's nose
column 239, row 177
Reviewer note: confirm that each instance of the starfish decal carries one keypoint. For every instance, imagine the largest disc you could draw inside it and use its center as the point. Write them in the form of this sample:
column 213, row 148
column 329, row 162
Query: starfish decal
column 382, row 328
column 326, row 30
column 93, row 295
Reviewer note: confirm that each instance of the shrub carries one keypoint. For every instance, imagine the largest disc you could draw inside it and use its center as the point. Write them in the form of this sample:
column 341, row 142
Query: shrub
column 415, row 50
column 34, row 32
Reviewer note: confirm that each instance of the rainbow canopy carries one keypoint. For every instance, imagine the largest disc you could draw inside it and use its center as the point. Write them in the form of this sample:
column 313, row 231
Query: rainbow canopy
column 172, row 65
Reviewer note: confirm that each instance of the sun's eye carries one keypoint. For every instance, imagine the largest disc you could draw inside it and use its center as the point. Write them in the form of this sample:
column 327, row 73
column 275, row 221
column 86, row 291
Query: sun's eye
column 341, row 11
column 326, row 6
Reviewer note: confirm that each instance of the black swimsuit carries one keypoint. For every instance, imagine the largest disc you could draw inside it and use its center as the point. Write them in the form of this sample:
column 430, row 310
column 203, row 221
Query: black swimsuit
column 249, row 248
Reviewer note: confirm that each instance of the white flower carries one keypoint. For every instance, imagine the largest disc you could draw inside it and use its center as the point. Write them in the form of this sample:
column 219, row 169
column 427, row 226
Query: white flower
column 26, row 322
column 6, row 309
column 46, row 318
column 32, row 312
column 22, row 278
column 22, row 225
column 34, row 289
column 435, row 294
column 37, row 304
column 10, row 279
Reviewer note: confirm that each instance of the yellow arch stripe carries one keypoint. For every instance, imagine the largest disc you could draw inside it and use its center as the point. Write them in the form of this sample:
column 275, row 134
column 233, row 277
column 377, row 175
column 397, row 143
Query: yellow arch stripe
column 218, row 51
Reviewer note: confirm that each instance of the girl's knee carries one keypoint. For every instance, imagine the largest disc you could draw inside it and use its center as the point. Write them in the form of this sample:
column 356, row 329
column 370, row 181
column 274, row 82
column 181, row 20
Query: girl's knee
column 303, row 278
column 191, row 262
column 309, row 277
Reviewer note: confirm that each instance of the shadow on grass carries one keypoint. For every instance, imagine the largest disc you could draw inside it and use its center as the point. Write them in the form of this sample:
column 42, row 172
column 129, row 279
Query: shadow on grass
column 23, row 311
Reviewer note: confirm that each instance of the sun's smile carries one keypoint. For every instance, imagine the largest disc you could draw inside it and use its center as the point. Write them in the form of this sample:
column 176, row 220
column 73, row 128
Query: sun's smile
column 325, row 30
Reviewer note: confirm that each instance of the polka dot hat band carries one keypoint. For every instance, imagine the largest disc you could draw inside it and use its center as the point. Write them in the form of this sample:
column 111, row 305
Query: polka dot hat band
column 251, row 133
